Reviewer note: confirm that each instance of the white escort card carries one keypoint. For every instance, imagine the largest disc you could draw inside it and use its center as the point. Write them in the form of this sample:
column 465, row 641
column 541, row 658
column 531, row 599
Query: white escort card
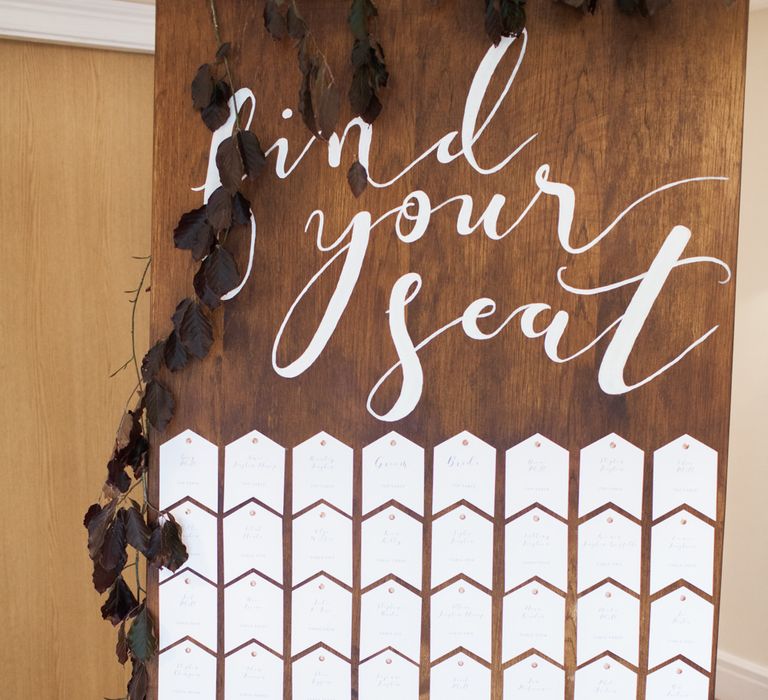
column 464, row 469
column 461, row 617
column 537, row 472
column 685, row 473
column 609, row 547
column 677, row 680
column 321, row 614
column 609, row 620
column 534, row 678
column 536, row 545
column 253, row 673
column 391, row 544
column 682, row 547
column 388, row 676
column 681, row 623
column 393, row 469
column 189, row 468
column 186, row 671
column 254, row 466
column 606, row 679
column 321, row 675
column 188, row 607
column 199, row 533
column 322, row 470
column 460, row 678
column 254, row 540
column 611, row 471
column 322, row 541
column 390, row 617
column 462, row 543
column 253, row 609
column 533, row 618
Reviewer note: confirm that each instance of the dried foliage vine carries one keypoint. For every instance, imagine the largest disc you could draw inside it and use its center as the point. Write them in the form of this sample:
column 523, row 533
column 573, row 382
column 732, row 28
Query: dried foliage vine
column 117, row 523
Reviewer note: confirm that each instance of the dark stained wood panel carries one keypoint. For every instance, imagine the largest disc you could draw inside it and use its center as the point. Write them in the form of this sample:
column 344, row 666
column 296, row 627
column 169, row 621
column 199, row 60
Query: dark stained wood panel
column 619, row 107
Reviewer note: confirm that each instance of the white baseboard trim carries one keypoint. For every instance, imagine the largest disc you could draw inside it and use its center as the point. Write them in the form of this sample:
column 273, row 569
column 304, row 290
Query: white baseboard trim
column 104, row 24
column 740, row 679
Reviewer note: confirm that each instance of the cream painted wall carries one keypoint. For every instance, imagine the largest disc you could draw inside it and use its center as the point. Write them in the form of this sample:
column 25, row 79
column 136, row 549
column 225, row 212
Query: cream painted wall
column 744, row 615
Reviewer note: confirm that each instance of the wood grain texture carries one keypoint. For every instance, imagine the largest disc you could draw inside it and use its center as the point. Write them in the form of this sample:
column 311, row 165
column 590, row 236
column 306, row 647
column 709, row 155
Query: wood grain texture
column 620, row 105
column 75, row 149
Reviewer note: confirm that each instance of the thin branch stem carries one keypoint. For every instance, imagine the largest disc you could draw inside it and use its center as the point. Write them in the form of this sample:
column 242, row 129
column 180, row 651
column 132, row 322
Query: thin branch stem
column 128, row 400
column 143, row 481
column 149, row 505
column 135, row 302
column 127, row 493
column 217, row 32
column 310, row 35
column 138, row 579
column 120, row 369
column 134, row 358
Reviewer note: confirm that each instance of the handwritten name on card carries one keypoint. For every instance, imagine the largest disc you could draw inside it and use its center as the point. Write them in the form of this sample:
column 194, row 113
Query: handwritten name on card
column 464, row 469
column 677, row 680
column 682, row 547
column 188, row 608
column 322, row 541
column 605, row 678
column 321, row 614
column 681, row 623
column 393, row 469
column 322, row 470
column 609, row 620
column 460, row 678
column 253, row 539
column 611, row 471
column 534, row 678
column 186, row 671
column 685, row 473
column 253, row 673
column 388, row 676
column 536, row 545
column 533, row 618
column 462, row 543
column 321, row 675
column 189, row 468
column 254, row 466
column 537, row 472
column 253, row 609
column 390, row 617
column 391, row 544
column 609, row 547
column 461, row 617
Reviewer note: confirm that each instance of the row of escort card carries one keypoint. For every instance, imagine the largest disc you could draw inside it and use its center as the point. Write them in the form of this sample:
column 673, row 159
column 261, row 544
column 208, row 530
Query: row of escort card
column 187, row 670
column 462, row 534
column 611, row 471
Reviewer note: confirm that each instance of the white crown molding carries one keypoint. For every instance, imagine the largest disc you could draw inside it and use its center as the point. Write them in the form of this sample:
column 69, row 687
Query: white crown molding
column 105, row 24
column 740, row 679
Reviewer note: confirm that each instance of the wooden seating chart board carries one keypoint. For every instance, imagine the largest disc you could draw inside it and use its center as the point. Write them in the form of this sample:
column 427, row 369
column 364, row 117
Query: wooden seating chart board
column 464, row 436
